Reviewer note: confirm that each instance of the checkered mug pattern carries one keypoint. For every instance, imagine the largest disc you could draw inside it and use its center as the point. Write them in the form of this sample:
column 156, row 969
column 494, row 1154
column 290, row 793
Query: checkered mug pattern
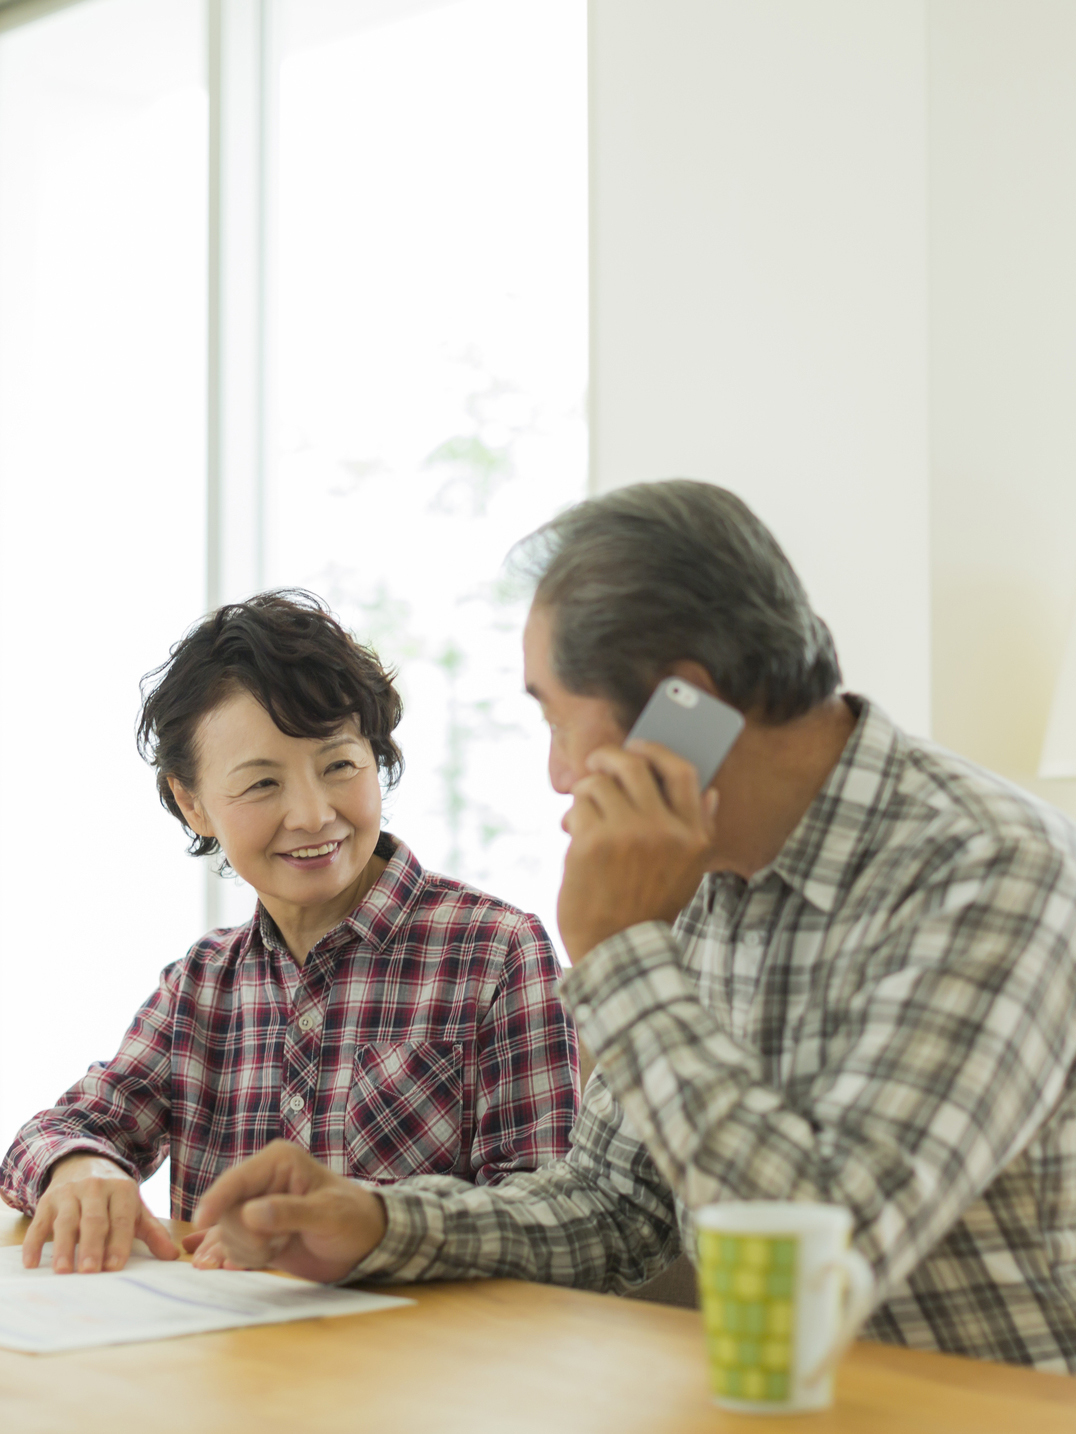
column 782, row 1296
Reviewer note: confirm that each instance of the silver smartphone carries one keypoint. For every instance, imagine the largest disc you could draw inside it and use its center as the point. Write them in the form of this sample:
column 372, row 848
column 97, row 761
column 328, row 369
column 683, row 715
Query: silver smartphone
column 691, row 723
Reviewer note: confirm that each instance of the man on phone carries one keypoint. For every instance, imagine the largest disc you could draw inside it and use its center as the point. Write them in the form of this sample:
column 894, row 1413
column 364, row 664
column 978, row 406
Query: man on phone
column 843, row 972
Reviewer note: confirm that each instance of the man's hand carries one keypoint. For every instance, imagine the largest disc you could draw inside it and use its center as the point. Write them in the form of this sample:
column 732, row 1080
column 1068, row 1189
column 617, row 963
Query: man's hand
column 642, row 837
column 207, row 1248
column 94, row 1205
column 283, row 1208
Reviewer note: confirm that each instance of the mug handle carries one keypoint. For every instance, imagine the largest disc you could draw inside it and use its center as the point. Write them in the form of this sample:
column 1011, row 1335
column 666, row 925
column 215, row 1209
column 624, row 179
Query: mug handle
column 858, row 1299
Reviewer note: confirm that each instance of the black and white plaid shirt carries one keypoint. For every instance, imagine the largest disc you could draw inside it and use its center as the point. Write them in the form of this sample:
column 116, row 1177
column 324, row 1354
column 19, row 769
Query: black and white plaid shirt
column 885, row 1018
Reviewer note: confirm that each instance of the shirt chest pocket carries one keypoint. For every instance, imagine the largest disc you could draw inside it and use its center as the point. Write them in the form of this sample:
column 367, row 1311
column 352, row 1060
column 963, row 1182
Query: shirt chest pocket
column 404, row 1112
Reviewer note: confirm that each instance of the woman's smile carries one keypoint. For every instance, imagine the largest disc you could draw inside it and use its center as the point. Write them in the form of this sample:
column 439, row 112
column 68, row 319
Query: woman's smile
column 309, row 857
column 298, row 818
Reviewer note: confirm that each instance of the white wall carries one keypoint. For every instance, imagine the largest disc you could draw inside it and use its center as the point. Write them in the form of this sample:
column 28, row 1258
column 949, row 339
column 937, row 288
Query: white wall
column 1003, row 372
column 759, row 294
column 834, row 267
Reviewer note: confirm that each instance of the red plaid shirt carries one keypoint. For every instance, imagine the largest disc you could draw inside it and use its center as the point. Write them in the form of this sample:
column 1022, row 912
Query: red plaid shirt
column 422, row 1035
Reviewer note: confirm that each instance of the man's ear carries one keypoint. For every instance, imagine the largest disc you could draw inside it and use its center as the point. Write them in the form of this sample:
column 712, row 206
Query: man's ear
column 191, row 808
column 694, row 672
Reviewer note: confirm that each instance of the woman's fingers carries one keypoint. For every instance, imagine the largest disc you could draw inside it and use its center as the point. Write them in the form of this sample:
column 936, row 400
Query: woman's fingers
column 65, row 1232
column 93, row 1227
column 157, row 1238
column 123, row 1212
column 39, row 1231
column 97, row 1219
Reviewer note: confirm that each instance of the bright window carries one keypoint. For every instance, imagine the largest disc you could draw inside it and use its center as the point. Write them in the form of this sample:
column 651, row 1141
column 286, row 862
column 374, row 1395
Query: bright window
column 372, row 219
column 429, row 385
column 102, row 501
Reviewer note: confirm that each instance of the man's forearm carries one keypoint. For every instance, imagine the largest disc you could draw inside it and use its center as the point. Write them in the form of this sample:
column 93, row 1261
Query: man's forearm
column 563, row 1224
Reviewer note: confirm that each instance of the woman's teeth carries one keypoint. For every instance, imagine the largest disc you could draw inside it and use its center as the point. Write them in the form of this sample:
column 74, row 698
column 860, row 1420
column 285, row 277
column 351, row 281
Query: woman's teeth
column 315, row 850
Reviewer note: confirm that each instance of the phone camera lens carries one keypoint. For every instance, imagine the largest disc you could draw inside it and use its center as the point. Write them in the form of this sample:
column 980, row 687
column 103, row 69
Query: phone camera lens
column 682, row 693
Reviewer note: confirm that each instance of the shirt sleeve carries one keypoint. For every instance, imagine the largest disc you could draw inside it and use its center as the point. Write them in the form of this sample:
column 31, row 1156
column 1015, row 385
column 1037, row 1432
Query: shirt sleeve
column 526, row 1095
column 602, row 1218
column 945, row 1062
column 119, row 1109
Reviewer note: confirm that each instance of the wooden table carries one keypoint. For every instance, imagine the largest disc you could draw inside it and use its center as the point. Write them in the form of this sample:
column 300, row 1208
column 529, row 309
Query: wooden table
column 492, row 1357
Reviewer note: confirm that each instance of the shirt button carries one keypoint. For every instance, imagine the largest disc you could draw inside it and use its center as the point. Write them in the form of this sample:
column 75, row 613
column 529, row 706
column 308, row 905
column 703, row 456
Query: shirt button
column 307, row 1022
column 296, row 1103
column 583, row 1011
column 752, row 938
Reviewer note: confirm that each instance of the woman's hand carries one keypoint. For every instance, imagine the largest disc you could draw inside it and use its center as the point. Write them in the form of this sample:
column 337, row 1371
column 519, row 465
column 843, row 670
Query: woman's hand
column 283, row 1208
column 93, row 1205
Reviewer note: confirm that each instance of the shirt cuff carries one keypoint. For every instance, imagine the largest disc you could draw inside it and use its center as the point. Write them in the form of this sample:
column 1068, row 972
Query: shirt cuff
column 622, row 981
column 37, row 1183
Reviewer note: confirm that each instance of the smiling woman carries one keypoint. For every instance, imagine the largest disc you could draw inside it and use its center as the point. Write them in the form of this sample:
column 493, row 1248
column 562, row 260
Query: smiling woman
column 269, row 728
column 391, row 1021
column 300, row 823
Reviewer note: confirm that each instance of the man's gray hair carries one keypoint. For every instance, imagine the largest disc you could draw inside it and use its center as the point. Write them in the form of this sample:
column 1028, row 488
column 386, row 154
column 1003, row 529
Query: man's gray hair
column 659, row 572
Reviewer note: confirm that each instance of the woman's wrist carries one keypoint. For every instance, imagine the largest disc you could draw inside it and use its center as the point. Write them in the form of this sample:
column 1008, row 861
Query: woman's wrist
column 85, row 1165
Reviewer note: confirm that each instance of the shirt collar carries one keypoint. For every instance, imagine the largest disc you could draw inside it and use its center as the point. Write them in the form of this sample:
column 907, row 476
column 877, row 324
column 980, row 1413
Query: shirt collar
column 379, row 914
column 821, row 857
column 374, row 920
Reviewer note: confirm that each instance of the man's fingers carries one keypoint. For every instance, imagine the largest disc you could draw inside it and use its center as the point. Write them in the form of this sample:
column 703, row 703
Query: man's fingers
column 320, row 1235
column 150, row 1229
column 643, row 780
column 597, row 795
column 679, row 784
column 252, row 1251
column 279, row 1167
column 210, row 1256
column 633, row 774
column 711, row 800
column 279, row 1214
column 206, row 1247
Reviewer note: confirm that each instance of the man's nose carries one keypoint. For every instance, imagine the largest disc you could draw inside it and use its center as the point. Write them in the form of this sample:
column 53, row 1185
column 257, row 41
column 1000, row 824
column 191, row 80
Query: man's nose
column 562, row 774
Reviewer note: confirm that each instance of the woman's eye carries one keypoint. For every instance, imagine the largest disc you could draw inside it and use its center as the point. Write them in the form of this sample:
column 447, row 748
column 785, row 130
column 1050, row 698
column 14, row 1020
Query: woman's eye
column 342, row 766
column 264, row 785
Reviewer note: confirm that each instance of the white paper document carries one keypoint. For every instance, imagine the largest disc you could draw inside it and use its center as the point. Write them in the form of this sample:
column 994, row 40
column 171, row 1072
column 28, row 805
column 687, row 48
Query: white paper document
column 154, row 1299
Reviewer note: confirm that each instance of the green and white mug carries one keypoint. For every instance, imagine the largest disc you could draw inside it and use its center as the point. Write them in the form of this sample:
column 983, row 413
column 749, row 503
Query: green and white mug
column 782, row 1296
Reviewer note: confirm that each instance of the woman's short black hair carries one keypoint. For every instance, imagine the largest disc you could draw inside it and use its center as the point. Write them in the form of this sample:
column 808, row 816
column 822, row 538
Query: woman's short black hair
column 290, row 653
